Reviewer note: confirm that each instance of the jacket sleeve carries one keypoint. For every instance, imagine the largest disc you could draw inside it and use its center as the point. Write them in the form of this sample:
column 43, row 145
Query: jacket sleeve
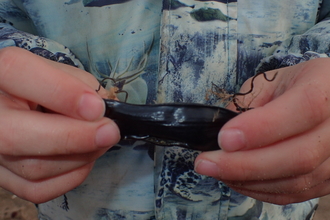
column 10, row 36
column 314, row 43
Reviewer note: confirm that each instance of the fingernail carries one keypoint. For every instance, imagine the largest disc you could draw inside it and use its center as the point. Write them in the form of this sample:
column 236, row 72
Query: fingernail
column 107, row 135
column 91, row 107
column 207, row 168
column 231, row 140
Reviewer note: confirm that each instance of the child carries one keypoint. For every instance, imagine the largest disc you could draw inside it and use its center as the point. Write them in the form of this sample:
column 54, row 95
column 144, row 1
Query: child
column 55, row 144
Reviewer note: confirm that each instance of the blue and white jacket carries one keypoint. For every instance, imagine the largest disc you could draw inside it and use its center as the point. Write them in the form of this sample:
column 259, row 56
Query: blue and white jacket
column 178, row 49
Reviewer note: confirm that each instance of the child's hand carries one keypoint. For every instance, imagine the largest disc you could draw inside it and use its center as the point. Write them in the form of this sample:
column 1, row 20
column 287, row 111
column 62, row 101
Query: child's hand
column 278, row 152
column 51, row 125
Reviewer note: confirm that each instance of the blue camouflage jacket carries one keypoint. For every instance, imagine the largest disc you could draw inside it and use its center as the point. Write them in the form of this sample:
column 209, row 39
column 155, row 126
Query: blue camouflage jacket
column 166, row 51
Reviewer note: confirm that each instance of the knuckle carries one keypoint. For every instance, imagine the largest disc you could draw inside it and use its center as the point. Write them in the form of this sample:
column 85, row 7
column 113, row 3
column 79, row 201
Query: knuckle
column 316, row 103
column 241, row 171
column 315, row 92
column 299, row 184
column 32, row 170
column 35, row 193
column 305, row 183
column 307, row 160
column 73, row 142
column 8, row 58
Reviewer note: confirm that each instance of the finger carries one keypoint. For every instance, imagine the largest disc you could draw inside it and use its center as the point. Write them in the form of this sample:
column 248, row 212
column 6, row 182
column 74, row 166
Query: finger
column 292, row 185
column 284, row 199
column 43, row 190
column 85, row 77
column 295, row 101
column 47, row 85
column 31, row 133
column 297, row 110
column 298, row 155
column 258, row 90
column 37, row 168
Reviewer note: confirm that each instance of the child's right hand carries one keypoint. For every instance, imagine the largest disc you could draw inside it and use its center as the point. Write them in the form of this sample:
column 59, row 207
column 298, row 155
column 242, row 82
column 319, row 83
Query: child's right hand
column 51, row 125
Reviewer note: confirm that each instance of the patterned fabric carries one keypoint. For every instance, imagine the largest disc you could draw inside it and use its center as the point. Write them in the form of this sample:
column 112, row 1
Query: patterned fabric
column 166, row 51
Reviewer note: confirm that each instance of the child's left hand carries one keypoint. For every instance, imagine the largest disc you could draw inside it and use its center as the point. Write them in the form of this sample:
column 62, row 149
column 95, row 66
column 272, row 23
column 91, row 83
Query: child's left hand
column 278, row 152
